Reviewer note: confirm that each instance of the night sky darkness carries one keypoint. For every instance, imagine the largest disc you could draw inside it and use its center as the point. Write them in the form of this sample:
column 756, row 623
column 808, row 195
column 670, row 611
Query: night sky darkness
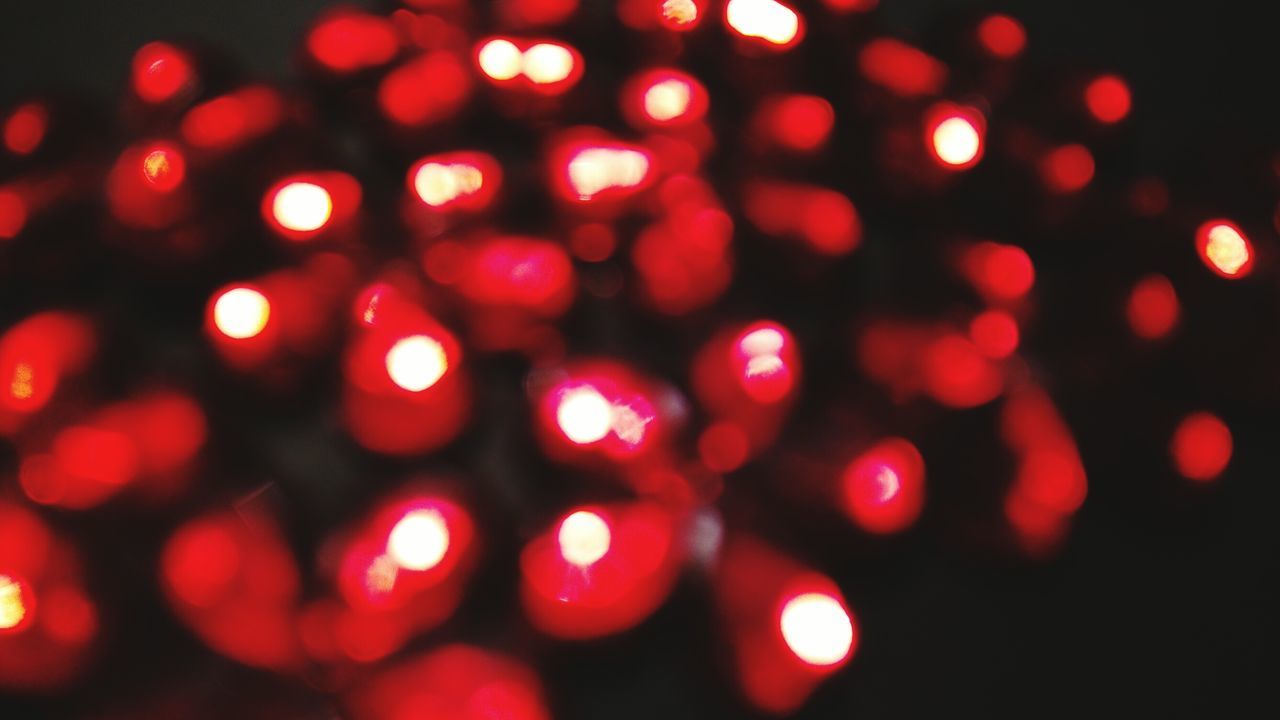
column 1163, row 601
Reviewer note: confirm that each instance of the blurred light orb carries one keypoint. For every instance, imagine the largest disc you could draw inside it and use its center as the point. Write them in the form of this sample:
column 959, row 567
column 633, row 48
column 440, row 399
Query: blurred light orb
column 584, row 538
column 241, row 313
column 584, row 415
column 302, row 207
column 419, row 540
column 956, row 141
column 500, row 59
column 416, row 363
column 768, row 20
column 14, row 603
column 438, row 184
column 546, row 63
column 667, row 100
column 594, row 170
column 1225, row 249
column 817, row 629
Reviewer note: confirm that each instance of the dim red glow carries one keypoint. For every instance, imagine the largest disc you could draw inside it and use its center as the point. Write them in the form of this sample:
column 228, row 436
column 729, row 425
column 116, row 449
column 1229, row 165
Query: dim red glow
column 17, row 604
column 161, row 72
column 233, row 119
column 455, row 682
column 824, row 220
column 241, row 312
column 25, row 128
column 1002, row 36
column 1108, row 99
column 538, row 12
column 818, row 629
column 1000, row 273
column 1067, row 169
column 800, row 123
column 773, row 23
column 901, row 68
column 425, row 90
column 723, row 447
column 459, row 180
column 347, row 41
column 1201, row 447
column 1152, row 308
column 584, row 538
column 995, row 333
column 1225, row 249
column 884, row 487
column 417, row 362
column 958, row 374
column 955, row 135
column 13, row 213
column 419, row 540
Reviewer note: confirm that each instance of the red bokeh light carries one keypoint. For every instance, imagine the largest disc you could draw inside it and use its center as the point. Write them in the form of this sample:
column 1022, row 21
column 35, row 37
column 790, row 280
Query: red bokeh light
column 1067, row 169
column 1000, row 273
column 303, row 206
column 231, row 120
column 348, row 41
column 25, row 128
column 465, row 181
column 1108, row 99
column 883, row 488
column 1152, row 308
column 1002, row 36
column 995, row 333
column 1201, row 447
column 663, row 98
column 13, row 213
column 425, row 90
column 799, row 123
column 901, row 68
column 162, row 72
column 822, row 219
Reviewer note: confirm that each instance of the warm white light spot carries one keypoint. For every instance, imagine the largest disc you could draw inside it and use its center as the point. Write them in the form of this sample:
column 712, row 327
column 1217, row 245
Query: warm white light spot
column 765, row 19
column 584, row 538
column 500, row 59
column 380, row 578
column 419, row 541
column 437, row 183
column 416, row 363
column 13, row 610
column 595, row 170
column 956, row 141
column 680, row 12
column 817, row 629
column 764, row 366
column 887, row 484
column 545, row 63
column 667, row 100
column 241, row 313
column 765, row 341
column 302, row 207
column 629, row 425
column 584, row 415
column 1226, row 249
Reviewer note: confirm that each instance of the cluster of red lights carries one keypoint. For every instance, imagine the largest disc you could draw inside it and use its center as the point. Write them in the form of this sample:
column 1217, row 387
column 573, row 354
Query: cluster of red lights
column 409, row 330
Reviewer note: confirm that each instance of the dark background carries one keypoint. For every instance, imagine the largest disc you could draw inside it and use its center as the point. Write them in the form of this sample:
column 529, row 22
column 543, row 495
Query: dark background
column 1163, row 602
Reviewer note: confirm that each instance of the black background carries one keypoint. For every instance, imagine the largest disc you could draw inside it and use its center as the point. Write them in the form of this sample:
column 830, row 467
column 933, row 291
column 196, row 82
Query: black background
column 1163, row 602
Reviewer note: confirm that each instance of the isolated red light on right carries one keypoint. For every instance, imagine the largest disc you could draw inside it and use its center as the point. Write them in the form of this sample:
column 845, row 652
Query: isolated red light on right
column 1201, row 447
column 1108, row 99
column 1225, row 249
